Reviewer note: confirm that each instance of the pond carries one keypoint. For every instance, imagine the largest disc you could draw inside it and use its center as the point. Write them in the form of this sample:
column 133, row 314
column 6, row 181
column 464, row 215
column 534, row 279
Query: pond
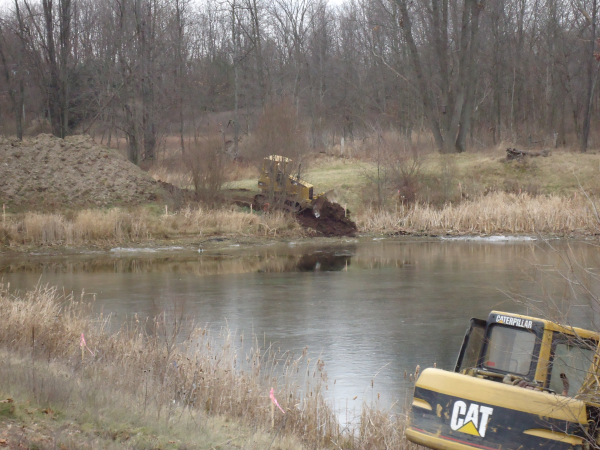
column 371, row 309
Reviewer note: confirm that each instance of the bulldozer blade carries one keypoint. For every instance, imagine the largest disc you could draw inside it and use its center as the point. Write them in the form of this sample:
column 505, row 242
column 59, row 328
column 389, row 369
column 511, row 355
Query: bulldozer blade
column 316, row 206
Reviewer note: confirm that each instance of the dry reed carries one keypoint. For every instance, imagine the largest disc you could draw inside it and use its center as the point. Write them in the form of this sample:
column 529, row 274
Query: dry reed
column 498, row 212
column 118, row 226
column 165, row 367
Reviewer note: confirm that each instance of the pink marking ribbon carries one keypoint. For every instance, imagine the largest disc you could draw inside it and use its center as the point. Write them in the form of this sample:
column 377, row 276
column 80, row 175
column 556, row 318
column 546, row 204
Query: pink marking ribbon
column 274, row 400
column 83, row 344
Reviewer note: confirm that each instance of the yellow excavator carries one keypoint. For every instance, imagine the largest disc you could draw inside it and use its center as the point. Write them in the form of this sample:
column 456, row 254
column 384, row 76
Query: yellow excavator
column 519, row 383
column 278, row 184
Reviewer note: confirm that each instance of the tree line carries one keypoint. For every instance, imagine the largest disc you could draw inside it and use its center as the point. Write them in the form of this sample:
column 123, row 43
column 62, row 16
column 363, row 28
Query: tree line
column 468, row 72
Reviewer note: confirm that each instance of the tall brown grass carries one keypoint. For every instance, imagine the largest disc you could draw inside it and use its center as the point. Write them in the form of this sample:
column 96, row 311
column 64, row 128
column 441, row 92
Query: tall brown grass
column 140, row 225
column 498, row 212
column 166, row 367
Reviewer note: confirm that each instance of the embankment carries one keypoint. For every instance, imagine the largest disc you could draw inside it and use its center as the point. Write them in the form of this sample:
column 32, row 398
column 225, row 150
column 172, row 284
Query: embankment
column 162, row 376
column 496, row 213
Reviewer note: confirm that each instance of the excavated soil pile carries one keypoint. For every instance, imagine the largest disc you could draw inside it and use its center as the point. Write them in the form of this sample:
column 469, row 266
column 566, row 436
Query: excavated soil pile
column 332, row 222
column 47, row 171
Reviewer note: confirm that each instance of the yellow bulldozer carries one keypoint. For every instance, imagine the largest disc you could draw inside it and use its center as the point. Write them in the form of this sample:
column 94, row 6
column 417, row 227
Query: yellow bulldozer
column 519, row 382
column 278, row 185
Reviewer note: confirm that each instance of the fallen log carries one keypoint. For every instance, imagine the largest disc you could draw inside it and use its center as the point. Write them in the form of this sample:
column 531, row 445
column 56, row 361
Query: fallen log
column 513, row 153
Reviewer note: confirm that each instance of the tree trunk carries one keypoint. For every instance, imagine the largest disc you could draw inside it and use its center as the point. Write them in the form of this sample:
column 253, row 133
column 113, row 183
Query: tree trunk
column 14, row 100
column 65, row 49
column 440, row 30
column 149, row 128
column 234, row 42
column 518, row 94
column 421, row 82
column 463, row 80
column 591, row 78
column 467, row 112
column 258, row 50
column 53, row 87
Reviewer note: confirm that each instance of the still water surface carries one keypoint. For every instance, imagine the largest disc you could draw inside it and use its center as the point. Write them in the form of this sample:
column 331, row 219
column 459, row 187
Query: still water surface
column 368, row 308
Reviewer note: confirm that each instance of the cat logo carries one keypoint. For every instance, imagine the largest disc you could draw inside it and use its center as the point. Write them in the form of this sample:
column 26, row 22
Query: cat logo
column 472, row 420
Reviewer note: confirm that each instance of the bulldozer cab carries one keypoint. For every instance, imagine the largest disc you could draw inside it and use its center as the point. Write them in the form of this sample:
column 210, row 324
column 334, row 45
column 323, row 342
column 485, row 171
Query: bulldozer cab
column 276, row 183
column 519, row 382
column 276, row 167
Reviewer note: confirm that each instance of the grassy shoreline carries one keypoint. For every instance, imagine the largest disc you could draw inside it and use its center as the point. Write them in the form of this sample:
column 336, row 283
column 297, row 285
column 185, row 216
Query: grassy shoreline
column 152, row 382
column 495, row 213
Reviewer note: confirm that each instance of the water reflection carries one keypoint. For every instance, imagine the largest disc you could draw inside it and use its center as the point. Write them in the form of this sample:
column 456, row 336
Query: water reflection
column 370, row 309
column 328, row 261
column 264, row 259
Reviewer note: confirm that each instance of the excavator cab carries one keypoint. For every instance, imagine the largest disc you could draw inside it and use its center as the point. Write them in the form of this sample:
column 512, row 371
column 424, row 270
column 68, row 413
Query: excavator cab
column 519, row 382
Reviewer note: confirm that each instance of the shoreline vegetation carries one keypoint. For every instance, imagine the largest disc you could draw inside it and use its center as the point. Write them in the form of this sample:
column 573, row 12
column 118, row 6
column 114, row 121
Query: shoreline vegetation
column 495, row 213
column 391, row 186
column 163, row 383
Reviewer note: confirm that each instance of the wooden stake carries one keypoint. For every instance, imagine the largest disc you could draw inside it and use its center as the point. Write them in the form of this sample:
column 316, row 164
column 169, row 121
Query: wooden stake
column 166, row 210
column 3, row 214
column 272, row 415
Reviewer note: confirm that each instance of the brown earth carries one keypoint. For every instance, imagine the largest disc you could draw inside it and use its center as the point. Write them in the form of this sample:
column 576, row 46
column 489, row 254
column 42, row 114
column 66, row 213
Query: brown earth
column 333, row 221
column 47, row 171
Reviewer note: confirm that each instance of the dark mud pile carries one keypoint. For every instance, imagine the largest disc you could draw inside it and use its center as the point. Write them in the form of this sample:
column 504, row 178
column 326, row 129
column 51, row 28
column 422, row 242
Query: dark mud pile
column 332, row 221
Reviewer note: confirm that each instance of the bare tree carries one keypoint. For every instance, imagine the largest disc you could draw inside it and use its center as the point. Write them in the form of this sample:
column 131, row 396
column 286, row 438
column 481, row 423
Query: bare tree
column 591, row 77
column 55, row 71
column 13, row 74
column 508, row 69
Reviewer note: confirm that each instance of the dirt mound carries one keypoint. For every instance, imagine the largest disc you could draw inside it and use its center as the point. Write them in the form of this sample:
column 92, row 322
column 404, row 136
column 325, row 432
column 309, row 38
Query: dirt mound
column 47, row 171
column 332, row 221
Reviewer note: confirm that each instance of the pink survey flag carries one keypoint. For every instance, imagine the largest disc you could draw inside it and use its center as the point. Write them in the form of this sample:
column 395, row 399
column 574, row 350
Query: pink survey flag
column 274, row 400
column 83, row 344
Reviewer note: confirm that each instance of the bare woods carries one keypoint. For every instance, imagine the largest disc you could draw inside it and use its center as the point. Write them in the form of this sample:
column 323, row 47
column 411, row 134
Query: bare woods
column 469, row 72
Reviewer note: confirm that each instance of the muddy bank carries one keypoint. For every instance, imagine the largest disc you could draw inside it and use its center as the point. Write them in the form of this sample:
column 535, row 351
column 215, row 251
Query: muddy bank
column 333, row 220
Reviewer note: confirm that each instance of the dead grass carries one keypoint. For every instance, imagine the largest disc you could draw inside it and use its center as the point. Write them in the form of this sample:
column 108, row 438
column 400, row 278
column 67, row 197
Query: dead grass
column 444, row 178
column 494, row 213
column 118, row 226
column 173, row 372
